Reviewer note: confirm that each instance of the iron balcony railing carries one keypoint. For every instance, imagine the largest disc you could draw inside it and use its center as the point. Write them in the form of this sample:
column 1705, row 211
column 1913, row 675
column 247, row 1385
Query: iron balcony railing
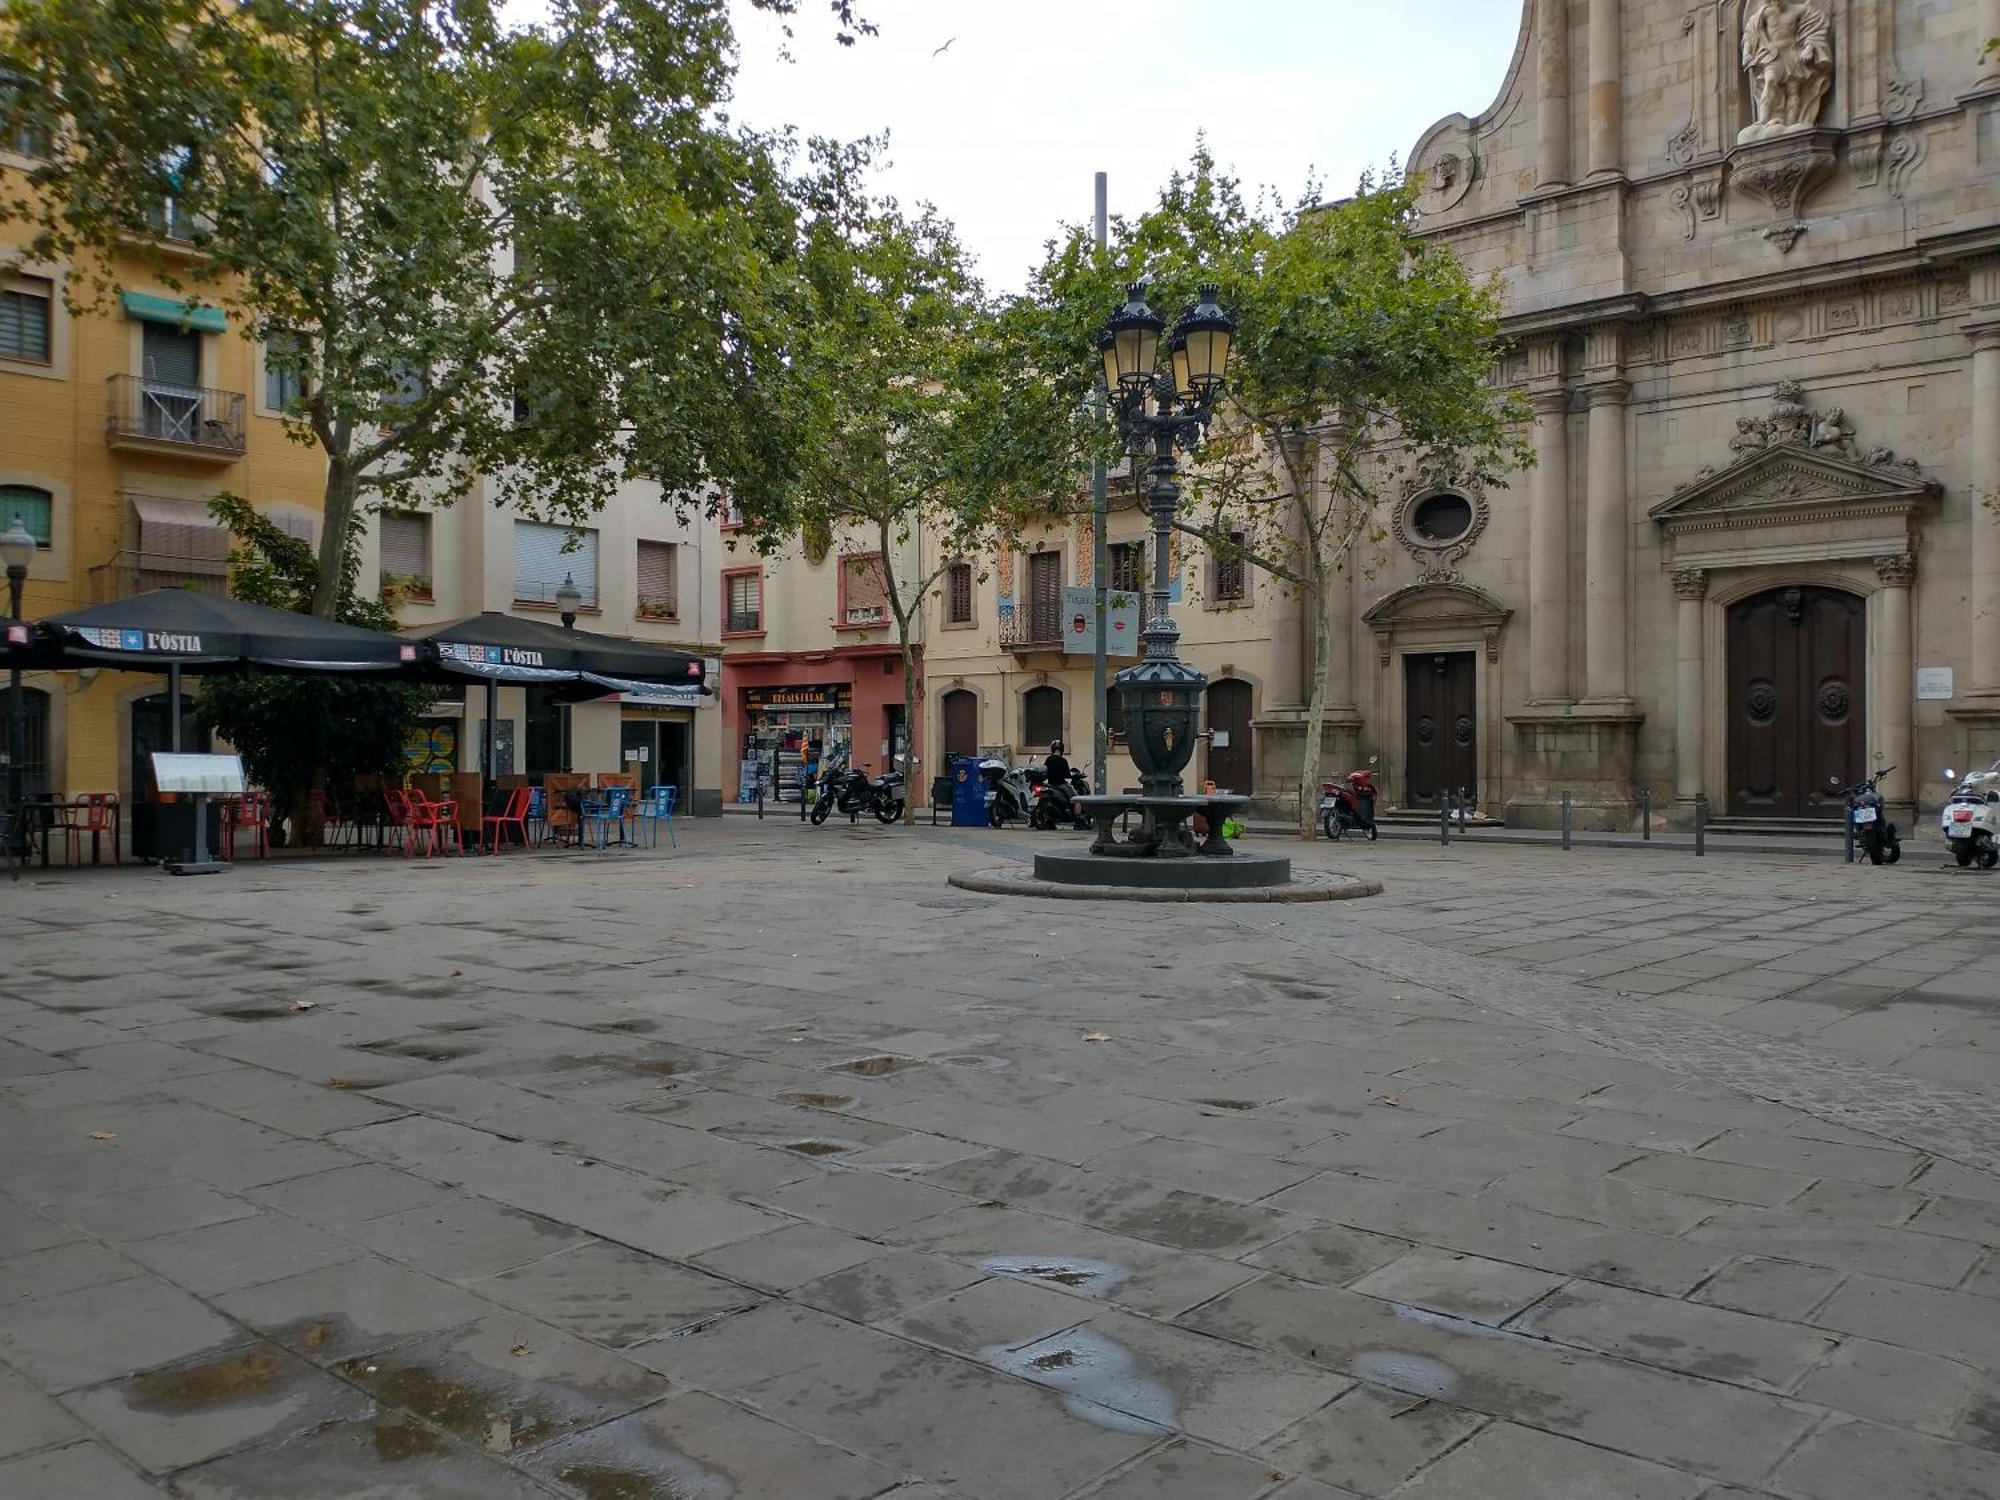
column 743, row 621
column 1031, row 629
column 192, row 418
column 132, row 572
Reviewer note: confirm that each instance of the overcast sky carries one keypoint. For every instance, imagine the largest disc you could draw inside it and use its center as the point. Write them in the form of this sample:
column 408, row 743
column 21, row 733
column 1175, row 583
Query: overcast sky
column 1005, row 128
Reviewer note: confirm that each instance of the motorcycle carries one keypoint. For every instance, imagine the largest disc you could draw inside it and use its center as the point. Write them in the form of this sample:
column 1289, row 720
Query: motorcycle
column 1971, row 818
column 1008, row 793
column 1873, row 831
column 1055, row 801
column 1348, row 806
column 850, row 790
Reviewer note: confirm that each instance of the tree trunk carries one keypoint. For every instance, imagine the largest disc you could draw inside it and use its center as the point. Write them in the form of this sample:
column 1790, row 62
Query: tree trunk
column 1322, row 661
column 335, row 523
column 911, row 707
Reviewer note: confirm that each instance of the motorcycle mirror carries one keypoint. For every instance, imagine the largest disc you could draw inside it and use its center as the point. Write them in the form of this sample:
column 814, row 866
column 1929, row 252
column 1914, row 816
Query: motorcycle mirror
column 1833, row 781
column 1950, row 774
column 1374, row 760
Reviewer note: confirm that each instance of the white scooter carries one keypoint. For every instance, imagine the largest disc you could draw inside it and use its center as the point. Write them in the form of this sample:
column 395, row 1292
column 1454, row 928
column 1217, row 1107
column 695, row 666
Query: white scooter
column 1971, row 819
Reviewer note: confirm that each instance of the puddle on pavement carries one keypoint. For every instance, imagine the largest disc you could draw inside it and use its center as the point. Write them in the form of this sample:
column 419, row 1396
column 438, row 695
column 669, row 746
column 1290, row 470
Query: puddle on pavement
column 254, row 1013
column 1100, row 1380
column 876, row 1067
column 983, row 1061
column 248, row 1375
column 1097, row 1278
column 817, row 1101
column 398, row 1440
column 626, row 1027
column 420, row 1050
column 822, row 1148
column 1228, row 1103
column 501, row 1417
column 1399, row 1369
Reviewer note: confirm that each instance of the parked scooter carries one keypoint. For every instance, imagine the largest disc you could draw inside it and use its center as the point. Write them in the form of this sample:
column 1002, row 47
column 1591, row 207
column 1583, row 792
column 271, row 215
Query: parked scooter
column 850, row 790
column 1008, row 794
column 1873, row 831
column 1348, row 806
column 1055, row 800
column 1971, row 819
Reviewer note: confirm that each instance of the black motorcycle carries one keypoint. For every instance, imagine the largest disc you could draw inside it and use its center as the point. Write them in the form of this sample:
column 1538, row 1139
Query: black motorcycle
column 1055, row 800
column 1869, row 818
column 849, row 790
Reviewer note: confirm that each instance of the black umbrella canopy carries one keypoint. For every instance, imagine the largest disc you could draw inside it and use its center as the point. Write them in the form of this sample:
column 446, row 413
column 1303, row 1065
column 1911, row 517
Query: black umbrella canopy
column 511, row 649
column 203, row 632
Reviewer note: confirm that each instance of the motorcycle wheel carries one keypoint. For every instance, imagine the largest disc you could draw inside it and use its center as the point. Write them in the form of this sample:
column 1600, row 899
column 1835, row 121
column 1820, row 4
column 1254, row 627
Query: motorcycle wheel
column 1893, row 852
column 1964, row 853
column 888, row 812
column 821, row 810
column 1871, row 845
column 995, row 818
column 1373, row 833
column 1989, row 859
column 1330, row 827
column 1042, row 818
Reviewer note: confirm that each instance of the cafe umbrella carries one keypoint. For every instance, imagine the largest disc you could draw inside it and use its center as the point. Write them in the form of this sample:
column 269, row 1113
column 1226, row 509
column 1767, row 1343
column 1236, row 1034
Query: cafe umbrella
column 580, row 664
column 179, row 630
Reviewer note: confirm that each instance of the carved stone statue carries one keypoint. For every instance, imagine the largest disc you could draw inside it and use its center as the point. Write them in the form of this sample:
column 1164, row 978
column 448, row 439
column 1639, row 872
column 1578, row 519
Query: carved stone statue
column 1831, row 429
column 1788, row 53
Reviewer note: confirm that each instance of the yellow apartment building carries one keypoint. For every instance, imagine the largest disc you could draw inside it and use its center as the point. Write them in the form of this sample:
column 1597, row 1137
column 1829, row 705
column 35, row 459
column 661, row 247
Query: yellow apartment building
column 115, row 429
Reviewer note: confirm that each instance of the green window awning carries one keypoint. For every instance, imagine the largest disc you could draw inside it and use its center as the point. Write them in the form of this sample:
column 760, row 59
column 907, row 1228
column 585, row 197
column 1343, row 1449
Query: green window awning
column 150, row 309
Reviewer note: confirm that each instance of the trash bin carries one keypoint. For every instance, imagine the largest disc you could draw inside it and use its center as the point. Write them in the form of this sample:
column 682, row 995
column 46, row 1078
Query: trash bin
column 968, row 793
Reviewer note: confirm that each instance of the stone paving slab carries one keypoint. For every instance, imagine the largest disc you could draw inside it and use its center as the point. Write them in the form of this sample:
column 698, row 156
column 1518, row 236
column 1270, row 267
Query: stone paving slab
column 1540, row 1174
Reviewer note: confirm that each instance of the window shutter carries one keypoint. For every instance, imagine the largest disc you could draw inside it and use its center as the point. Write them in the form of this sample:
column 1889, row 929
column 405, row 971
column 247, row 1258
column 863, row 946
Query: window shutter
column 1128, row 567
column 958, row 600
column 34, row 508
column 299, row 528
column 1041, row 716
column 866, row 590
column 24, row 317
column 406, row 545
column 180, row 536
column 659, row 582
column 746, row 601
column 1229, row 571
column 541, row 563
column 1045, row 596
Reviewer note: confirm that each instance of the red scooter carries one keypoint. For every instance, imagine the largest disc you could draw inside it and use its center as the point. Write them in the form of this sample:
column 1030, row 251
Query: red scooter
column 1348, row 806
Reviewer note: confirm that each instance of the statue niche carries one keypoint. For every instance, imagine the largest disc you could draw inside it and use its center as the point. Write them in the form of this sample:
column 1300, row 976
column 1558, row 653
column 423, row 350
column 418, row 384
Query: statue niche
column 1788, row 55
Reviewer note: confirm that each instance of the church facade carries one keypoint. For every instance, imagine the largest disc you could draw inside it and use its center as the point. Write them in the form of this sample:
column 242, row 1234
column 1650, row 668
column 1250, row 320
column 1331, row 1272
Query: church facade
column 1751, row 259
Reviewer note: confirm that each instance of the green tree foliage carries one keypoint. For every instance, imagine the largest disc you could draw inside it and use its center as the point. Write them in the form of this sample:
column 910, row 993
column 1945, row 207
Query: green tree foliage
column 930, row 434
column 1365, row 352
column 538, row 257
column 301, row 734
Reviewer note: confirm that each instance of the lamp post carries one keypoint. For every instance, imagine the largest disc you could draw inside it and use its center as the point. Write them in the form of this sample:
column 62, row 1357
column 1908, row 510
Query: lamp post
column 17, row 548
column 1164, row 410
column 569, row 599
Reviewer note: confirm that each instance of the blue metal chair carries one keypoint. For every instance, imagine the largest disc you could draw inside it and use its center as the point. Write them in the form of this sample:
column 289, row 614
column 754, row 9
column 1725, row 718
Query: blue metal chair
column 655, row 808
column 600, row 813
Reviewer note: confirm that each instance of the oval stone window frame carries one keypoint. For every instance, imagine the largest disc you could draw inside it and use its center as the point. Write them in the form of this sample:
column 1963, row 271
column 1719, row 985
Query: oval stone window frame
column 1427, row 549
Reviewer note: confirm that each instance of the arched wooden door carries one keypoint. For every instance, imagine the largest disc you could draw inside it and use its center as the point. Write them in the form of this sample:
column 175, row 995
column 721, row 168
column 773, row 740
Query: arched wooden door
column 961, row 722
column 1798, row 698
column 1229, row 763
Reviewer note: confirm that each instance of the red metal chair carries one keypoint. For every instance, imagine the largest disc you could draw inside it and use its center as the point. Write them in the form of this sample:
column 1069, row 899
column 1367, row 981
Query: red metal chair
column 428, row 824
column 514, row 815
column 396, row 808
column 252, row 811
column 92, row 814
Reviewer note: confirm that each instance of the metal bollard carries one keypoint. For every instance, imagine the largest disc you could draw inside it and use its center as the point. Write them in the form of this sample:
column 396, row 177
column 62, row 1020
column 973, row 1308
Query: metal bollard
column 1444, row 817
column 1700, row 826
column 1646, row 815
column 1566, row 820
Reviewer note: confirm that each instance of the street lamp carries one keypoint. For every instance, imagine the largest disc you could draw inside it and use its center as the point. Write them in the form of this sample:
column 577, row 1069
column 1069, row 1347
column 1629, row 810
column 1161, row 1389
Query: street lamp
column 1166, row 411
column 569, row 598
column 17, row 549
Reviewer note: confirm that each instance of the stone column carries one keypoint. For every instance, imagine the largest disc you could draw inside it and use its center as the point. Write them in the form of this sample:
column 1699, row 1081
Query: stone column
column 1898, row 677
column 1548, row 550
column 1690, row 589
column 1606, row 545
column 1552, row 85
column 1985, row 485
column 1607, row 103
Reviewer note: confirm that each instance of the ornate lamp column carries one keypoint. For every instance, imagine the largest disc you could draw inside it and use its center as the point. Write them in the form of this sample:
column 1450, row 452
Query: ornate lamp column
column 1899, row 673
column 1690, row 589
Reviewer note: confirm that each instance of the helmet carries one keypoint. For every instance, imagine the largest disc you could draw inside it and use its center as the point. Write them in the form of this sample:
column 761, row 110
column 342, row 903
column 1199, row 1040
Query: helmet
column 1055, row 747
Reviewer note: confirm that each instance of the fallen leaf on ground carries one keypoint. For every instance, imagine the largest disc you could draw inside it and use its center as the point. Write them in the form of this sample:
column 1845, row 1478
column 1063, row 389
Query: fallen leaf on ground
column 1097, row 1036
column 104, row 1135
column 522, row 1349
column 1413, row 1406
column 1392, row 1101
column 304, row 1004
column 457, row 973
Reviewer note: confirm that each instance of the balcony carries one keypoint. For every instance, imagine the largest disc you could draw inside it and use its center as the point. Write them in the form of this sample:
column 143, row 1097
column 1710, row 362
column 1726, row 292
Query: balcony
column 1029, row 630
column 743, row 622
column 133, row 572
column 186, row 421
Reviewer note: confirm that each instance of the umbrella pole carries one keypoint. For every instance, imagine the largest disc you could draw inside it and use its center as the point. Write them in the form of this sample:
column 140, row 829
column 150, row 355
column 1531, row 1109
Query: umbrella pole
column 174, row 707
column 492, row 700
column 197, row 861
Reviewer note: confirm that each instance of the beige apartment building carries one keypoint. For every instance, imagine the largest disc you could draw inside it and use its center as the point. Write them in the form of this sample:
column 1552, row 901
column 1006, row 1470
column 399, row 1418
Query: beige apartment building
column 1751, row 260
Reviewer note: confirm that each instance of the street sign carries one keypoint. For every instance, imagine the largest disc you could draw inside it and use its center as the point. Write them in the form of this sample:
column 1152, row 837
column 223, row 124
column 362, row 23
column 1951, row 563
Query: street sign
column 1121, row 635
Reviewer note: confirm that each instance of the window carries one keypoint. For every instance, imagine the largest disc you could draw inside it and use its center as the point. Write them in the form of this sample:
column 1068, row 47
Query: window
column 1441, row 519
column 744, row 598
column 1229, row 576
column 25, row 303
column 1128, row 568
column 545, row 555
column 169, row 216
column 1041, row 717
column 958, row 594
column 1044, row 597
column 864, row 591
column 659, row 581
column 33, row 508
column 408, row 383
column 18, row 134
column 406, row 554
column 1114, row 712
column 284, row 381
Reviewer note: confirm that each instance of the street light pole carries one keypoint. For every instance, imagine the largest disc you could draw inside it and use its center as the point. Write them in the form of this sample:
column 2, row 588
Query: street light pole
column 569, row 599
column 1100, row 519
column 18, row 548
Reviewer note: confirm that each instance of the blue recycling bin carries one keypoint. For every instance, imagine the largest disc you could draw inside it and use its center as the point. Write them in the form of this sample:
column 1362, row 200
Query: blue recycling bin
column 968, row 793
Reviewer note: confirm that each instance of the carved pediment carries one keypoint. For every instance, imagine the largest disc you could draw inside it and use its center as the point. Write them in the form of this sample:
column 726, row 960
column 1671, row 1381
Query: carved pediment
column 1791, row 483
column 1430, row 606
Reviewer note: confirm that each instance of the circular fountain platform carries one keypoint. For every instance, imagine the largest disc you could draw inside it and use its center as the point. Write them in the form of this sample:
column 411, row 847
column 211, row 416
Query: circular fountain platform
column 1238, row 871
column 1261, row 878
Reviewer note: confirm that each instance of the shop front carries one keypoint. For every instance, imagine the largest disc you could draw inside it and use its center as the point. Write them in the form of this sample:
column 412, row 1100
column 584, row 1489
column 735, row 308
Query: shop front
column 781, row 710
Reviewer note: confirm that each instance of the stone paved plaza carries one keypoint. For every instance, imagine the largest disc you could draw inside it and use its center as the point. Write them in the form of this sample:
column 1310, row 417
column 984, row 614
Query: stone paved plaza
column 776, row 1169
